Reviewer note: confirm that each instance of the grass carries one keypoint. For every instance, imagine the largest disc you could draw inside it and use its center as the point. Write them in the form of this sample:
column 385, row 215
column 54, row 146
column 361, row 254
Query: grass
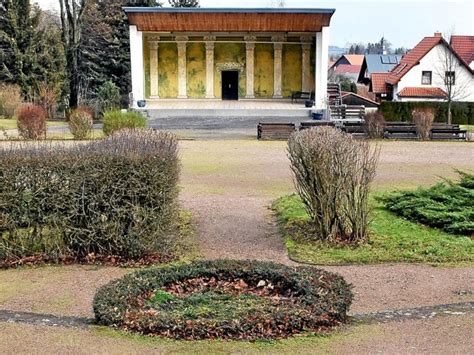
column 10, row 123
column 468, row 127
column 392, row 239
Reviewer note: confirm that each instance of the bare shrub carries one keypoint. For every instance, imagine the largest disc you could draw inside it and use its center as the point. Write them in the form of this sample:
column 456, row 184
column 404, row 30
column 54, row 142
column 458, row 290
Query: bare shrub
column 31, row 121
column 332, row 174
column 48, row 99
column 374, row 124
column 80, row 122
column 10, row 100
column 423, row 119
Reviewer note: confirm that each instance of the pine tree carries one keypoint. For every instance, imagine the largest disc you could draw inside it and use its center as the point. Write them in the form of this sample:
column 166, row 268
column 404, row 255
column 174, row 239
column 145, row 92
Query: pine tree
column 184, row 3
column 30, row 49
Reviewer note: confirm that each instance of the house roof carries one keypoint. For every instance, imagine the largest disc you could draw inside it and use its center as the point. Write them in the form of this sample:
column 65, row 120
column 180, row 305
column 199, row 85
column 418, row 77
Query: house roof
column 355, row 59
column 380, row 63
column 464, row 47
column 156, row 19
column 347, row 68
column 413, row 57
column 363, row 98
column 422, row 92
column 378, row 83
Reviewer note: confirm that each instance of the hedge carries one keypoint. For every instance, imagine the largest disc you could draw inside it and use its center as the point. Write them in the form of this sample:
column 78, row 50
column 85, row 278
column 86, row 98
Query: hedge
column 225, row 299
column 112, row 197
column 462, row 112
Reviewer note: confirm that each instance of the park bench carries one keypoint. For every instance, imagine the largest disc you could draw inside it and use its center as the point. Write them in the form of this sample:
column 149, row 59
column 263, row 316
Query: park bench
column 353, row 113
column 443, row 131
column 274, row 131
column 400, row 130
column 301, row 95
column 310, row 124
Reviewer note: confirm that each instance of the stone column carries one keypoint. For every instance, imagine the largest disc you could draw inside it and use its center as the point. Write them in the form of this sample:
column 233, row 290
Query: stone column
column 277, row 66
column 305, row 64
column 182, row 89
column 321, row 72
column 210, row 66
column 250, row 65
column 154, row 76
column 136, row 64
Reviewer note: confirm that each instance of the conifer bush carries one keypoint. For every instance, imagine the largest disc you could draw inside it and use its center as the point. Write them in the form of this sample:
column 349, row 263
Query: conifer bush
column 114, row 197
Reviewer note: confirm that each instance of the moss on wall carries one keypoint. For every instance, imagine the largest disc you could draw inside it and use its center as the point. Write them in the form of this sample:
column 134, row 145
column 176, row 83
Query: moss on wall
column 196, row 70
column 291, row 69
column 146, row 69
column 168, row 70
column 263, row 84
column 229, row 53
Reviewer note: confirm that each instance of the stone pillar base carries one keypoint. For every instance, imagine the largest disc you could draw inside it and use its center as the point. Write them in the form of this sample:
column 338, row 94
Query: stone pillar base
column 250, row 96
column 154, row 97
column 182, row 96
column 277, row 97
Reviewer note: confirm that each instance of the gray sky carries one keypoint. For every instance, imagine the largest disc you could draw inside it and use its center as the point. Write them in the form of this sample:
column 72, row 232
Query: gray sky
column 402, row 22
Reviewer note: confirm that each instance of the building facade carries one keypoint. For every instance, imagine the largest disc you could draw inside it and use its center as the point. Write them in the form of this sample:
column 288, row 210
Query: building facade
column 228, row 54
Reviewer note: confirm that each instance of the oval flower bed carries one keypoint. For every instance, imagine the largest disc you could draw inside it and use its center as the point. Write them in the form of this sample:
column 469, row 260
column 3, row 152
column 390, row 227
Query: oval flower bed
column 225, row 299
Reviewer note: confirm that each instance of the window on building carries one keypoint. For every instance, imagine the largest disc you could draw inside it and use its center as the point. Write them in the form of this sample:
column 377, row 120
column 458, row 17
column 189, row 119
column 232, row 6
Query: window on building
column 426, row 77
column 450, row 78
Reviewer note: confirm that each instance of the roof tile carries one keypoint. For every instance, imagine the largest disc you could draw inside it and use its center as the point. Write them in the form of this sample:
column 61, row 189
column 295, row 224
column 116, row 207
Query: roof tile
column 422, row 92
column 464, row 47
column 379, row 82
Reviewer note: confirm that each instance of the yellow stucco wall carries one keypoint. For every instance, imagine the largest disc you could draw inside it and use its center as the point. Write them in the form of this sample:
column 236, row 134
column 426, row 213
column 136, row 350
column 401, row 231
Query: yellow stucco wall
column 291, row 69
column 225, row 53
column 263, row 79
column 229, row 53
column 196, row 70
column 168, row 70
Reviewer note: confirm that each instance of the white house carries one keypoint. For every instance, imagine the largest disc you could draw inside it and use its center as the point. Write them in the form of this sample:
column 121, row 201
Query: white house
column 423, row 74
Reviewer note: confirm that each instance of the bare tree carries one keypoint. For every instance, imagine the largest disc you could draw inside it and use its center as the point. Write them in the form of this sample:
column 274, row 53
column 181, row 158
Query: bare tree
column 277, row 3
column 450, row 73
column 71, row 21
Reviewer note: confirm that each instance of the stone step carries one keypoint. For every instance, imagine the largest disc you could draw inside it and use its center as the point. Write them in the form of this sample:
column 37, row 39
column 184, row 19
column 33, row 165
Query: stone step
column 196, row 113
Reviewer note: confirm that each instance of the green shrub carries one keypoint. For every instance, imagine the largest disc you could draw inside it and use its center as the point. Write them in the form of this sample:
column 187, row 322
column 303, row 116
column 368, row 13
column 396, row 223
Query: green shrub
column 31, row 121
column 224, row 299
column 80, row 122
column 448, row 206
column 332, row 173
column 10, row 100
column 108, row 97
column 462, row 112
column 117, row 120
column 114, row 197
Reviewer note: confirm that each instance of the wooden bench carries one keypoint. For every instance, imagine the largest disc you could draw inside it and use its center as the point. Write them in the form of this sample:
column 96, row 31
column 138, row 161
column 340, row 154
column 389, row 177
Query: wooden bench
column 301, row 95
column 348, row 112
column 443, row 131
column 310, row 124
column 275, row 131
column 400, row 130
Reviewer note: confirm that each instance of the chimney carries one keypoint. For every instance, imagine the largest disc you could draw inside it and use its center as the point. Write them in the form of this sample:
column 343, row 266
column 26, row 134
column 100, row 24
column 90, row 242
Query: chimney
column 438, row 34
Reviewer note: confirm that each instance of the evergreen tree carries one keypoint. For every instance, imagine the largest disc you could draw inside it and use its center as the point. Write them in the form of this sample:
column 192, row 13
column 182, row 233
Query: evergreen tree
column 105, row 46
column 184, row 3
column 30, row 47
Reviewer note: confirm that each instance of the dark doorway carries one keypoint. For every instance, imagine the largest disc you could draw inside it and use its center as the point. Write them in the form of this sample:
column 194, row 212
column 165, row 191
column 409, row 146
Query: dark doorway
column 230, row 85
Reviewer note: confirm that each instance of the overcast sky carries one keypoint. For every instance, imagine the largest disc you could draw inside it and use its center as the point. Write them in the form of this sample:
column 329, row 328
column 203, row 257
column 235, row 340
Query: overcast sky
column 402, row 22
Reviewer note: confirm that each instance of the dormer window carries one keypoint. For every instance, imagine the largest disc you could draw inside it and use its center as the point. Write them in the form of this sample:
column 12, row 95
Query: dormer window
column 426, row 77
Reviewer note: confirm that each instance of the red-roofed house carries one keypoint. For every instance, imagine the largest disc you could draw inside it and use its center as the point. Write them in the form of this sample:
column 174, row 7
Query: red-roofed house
column 421, row 73
column 348, row 66
column 464, row 46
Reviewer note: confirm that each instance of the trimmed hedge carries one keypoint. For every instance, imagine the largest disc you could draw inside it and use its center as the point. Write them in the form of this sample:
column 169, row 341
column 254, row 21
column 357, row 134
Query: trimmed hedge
column 277, row 300
column 116, row 120
column 447, row 205
column 462, row 112
column 114, row 197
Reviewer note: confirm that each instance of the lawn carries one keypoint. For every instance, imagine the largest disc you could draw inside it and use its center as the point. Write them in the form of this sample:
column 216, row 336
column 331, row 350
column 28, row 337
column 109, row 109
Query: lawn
column 10, row 123
column 392, row 239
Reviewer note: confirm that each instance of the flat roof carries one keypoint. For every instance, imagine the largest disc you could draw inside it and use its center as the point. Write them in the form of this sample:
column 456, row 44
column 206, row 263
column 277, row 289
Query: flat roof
column 169, row 19
column 264, row 10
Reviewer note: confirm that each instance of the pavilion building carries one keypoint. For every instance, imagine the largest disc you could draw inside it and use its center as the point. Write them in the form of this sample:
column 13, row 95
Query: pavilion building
column 228, row 54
